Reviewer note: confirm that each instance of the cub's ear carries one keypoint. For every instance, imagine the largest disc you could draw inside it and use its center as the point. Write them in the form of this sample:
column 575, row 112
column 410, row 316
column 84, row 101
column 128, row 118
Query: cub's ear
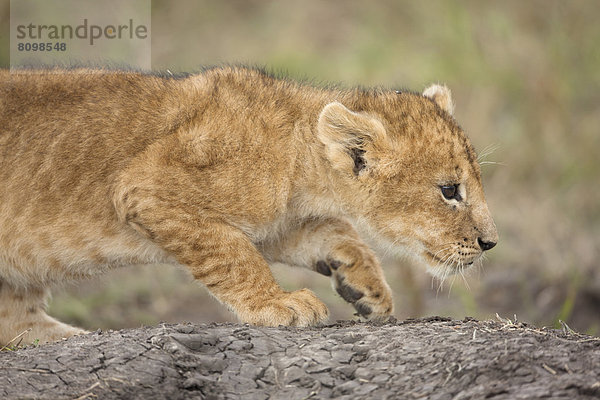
column 349, row 137
column 442, row 97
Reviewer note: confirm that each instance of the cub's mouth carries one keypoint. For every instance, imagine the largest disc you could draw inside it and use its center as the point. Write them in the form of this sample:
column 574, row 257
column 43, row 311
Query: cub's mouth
column 452, row 259
column 448, row 259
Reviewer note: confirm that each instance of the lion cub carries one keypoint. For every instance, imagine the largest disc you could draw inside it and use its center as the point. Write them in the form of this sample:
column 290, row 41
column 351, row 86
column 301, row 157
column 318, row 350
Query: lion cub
column 225, row 172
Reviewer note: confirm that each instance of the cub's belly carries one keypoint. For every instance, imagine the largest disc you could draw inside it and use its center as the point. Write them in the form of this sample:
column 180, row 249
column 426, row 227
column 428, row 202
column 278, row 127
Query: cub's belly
column 43, row 256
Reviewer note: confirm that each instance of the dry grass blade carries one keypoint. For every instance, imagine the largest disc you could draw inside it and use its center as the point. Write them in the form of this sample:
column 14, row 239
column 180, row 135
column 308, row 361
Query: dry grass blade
column 88, row 394
column 9, row 345
column 547, row 368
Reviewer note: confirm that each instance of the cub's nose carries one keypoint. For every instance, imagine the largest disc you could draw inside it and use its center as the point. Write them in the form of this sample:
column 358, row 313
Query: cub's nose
column 485, row 245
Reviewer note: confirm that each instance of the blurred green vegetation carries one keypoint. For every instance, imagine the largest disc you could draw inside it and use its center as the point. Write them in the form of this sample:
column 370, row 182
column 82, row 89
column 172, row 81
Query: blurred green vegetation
column 526, row 80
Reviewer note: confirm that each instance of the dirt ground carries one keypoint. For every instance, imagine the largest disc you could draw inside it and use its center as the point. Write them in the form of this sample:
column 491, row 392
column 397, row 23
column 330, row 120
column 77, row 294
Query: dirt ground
column 434, row 358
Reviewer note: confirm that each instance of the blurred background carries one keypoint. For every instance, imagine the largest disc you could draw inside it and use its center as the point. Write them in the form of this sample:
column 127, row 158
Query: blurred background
column 525, row 77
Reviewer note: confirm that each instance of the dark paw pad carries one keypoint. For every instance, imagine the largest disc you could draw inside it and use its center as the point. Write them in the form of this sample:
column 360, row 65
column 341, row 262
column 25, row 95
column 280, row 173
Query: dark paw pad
column 363, row 309
column 323, row 268
column 348, row 293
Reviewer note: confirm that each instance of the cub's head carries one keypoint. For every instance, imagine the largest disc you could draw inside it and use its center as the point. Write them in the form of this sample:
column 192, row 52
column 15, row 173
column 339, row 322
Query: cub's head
column 406, row 172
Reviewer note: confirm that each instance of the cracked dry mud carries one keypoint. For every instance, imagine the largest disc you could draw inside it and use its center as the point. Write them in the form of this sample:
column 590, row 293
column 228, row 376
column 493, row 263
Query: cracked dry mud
column 434, row 358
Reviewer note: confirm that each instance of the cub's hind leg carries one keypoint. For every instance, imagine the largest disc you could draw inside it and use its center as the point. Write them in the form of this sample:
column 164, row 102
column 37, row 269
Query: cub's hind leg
column 23, row 316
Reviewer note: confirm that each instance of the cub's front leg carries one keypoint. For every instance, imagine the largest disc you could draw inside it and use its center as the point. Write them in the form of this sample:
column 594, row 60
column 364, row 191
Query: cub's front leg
column 332, row 248
column 223, row 258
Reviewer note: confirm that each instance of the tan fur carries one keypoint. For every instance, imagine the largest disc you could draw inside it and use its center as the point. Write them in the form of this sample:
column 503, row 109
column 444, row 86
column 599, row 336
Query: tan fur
column 224, row 172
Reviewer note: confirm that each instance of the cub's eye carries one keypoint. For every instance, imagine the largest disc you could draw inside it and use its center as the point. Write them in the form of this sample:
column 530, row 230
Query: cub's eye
column 450, row 192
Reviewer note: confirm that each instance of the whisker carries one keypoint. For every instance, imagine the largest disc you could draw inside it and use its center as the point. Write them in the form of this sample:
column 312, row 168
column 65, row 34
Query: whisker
column 451, row 284
column 449, row 258
column 447, row 247
column 438, row 271
column 462, row 274
column 488, row 150
column 492, row 163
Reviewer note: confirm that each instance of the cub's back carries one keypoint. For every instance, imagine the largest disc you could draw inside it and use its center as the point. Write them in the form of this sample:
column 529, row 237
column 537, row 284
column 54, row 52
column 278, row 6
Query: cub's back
column 63, row 135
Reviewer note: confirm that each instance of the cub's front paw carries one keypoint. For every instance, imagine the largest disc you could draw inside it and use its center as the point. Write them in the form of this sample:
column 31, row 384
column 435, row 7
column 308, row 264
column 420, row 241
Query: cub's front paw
column 360, row 283
column 299, row 308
